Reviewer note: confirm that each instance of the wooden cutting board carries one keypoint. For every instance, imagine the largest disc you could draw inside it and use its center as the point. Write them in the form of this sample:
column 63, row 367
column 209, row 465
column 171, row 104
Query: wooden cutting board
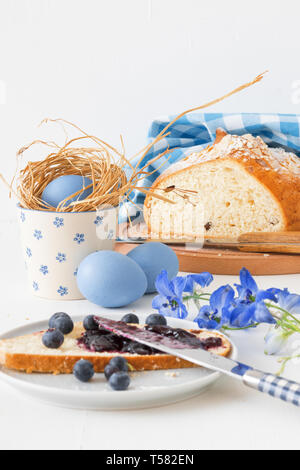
column 228, row 261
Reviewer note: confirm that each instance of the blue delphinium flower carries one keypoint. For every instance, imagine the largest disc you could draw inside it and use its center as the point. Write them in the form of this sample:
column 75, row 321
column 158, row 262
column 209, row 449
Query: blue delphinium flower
column 202, row 279
column 276, row 339
column 287, row 301
column 169, row 301
column 246, row 314
column 249, row 307
column 214, row 315
column 248, row 289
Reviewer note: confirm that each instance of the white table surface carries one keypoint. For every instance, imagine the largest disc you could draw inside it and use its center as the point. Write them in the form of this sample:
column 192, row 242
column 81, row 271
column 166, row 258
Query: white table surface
column 227, row 416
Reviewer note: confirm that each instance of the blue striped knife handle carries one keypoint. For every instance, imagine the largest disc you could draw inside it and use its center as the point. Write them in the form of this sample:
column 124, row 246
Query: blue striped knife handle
column 275, row 386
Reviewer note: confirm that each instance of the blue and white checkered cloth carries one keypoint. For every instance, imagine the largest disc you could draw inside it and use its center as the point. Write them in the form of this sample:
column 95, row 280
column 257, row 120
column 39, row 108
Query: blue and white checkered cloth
column 195, row 131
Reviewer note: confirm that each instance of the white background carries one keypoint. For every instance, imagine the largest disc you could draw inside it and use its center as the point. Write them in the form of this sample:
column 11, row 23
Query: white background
column 112, row 66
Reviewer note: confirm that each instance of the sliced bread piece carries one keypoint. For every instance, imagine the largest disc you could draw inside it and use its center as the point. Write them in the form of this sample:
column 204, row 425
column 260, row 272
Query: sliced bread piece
column 238, row 185
column 28, row 354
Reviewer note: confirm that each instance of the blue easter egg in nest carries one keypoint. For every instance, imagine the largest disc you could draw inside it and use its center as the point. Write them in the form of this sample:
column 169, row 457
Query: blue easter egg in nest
column 64, row 186
column 110, row 279
column 153, row 257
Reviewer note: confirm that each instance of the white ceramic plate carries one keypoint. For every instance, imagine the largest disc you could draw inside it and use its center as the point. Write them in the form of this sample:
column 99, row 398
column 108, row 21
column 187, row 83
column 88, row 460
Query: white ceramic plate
column 147, row 389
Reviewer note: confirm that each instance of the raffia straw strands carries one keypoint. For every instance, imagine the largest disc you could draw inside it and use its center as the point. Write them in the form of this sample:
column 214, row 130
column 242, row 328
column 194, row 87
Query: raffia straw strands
column 100, row 162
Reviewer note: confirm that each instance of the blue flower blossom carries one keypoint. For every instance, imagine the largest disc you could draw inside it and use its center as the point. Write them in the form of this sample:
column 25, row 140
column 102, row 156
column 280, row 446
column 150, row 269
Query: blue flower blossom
column 248, row 290
column 289, row 302
column 249, row 314
column 44, row 270
column 62, row 291
column 61, row 257
column 169, row 301
column 203, row 280
column 38, row 234
column 216, row 314
column 275, row 340
column 79, row 238
column 58, row 222
column 249, row 307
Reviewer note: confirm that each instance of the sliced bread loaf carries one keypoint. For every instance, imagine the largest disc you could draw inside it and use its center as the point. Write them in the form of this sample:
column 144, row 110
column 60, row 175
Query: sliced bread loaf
column 238, row 185
column 27, row 353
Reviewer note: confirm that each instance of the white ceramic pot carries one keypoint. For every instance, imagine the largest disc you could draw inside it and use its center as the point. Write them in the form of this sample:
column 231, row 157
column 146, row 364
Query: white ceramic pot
column 54, row 244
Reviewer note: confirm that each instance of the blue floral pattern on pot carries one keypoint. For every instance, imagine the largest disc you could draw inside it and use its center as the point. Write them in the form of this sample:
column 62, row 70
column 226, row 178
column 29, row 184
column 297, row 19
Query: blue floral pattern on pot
column 79, row 238
column 54, row 245
column 35, row 286
column 58, row 222
column 110, row 235
column 61, row 257
column 62, row 291
column 38, row 234
column 28, row 252
column 99, row 220
column 44, row 270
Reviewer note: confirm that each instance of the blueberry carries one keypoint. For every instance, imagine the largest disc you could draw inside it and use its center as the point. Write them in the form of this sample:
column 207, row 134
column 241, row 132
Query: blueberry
column 119, row 381
column 83, row 370
column 53, row 339
column 156, row 319
column 131, row 318
column 63, row 322
column 110, row 370
column 120, row 363
column 55, row 316
column 89, row 323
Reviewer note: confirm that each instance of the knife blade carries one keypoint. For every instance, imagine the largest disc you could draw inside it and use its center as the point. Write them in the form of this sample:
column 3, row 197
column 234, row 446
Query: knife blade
column 260, row 242
column 264, row 382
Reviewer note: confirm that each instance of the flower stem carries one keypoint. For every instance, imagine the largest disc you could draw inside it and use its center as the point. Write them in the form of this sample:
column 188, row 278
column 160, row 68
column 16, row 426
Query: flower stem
column 284, row 311
column 240, row 328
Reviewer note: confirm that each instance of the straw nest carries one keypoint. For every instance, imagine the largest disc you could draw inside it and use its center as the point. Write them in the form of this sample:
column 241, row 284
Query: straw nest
column 113, row 176
column 96, row 160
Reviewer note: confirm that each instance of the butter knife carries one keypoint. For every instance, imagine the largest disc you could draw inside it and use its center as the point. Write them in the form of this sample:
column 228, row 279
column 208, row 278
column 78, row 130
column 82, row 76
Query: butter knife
column 273, row 385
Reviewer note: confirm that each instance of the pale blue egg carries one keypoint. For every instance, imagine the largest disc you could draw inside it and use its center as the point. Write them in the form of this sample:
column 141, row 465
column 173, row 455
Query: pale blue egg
column 153, row 257
column 110, row 279
column 64, row 186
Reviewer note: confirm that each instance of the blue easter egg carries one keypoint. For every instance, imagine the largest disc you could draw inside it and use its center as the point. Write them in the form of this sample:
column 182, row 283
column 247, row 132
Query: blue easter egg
column 153, row 257
column 110, row 279
column 64, row 186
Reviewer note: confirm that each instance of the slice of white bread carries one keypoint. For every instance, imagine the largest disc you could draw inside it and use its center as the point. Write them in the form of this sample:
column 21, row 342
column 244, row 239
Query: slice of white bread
column 28, row 354
column 240, row 185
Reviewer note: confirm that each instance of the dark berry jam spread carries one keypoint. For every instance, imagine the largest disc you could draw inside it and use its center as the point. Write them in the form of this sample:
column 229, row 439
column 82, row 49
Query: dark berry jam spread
column 108, row 338
column 185, row 337
column 104, row 341
column 211, row 342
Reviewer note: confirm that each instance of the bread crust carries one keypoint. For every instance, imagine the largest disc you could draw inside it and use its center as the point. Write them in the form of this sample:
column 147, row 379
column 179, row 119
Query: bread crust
column 280, row 176
column 64, row 364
